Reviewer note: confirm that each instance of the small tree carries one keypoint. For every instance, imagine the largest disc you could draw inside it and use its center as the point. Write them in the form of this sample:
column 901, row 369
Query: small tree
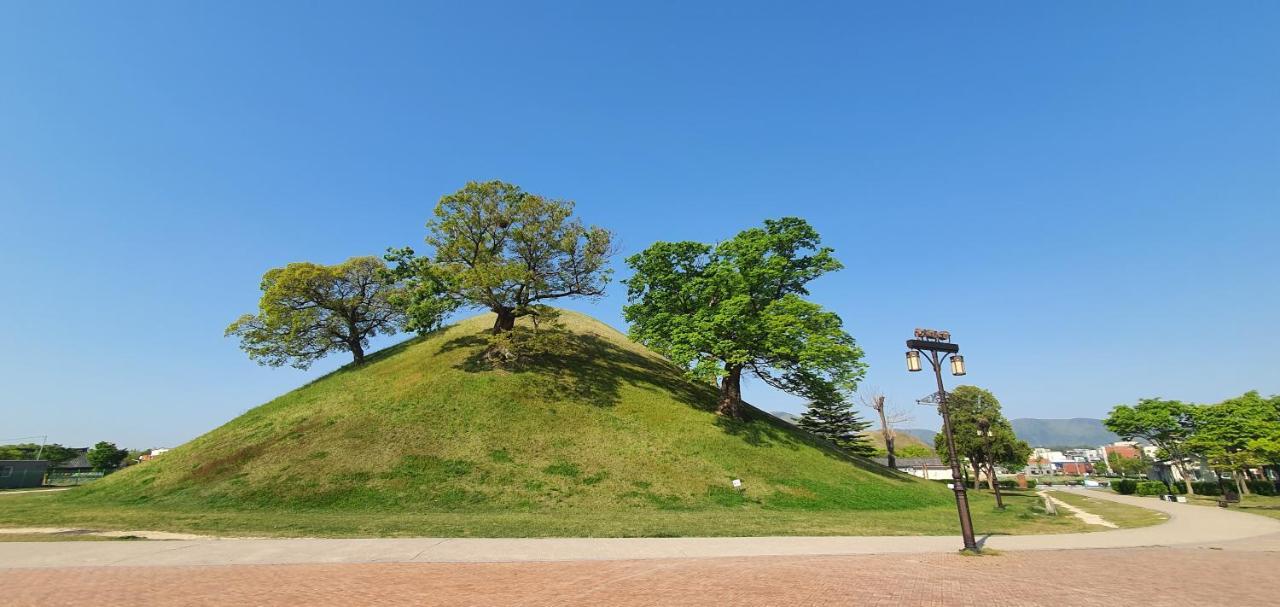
column 1163, row 423
column 308, row 310
column 967, row 406
column 875, row 400
column 738, row 307
column 105, row 456
column 500, row 248
column 835, row 420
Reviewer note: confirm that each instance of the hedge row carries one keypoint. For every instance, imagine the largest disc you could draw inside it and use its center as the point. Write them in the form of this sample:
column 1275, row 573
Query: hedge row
column 1208, row 488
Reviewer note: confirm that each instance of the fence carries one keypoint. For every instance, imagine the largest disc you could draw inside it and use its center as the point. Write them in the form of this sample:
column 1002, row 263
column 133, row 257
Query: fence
column 68, row 479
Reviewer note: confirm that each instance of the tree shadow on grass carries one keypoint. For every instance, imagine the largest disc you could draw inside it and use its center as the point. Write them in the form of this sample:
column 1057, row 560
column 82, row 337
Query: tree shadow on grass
column 594, row 370
column 589, row 369
column 758, row 428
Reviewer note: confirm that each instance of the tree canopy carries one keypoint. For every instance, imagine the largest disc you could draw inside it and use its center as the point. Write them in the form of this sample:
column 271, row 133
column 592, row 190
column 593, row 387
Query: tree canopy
column 739, row 307
column 839, row 424
column 1227, row 433
column 1164, row 423
column 106, row 456
column 52, row 452
column 982, row 433
column 500, row 248
column 308, row 310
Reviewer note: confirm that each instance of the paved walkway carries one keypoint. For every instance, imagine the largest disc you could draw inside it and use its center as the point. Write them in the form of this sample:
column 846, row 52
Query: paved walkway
column 1188, row 525
column 1129, row 576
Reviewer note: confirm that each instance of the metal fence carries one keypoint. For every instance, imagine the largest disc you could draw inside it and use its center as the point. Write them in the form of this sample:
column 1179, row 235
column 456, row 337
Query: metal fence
column 68, row 479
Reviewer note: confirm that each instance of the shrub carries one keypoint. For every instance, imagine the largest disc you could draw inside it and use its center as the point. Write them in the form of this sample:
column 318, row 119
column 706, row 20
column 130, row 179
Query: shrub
column 1262, row 487
column 1125, row 486
column 1152, row 488
column 1013, row 484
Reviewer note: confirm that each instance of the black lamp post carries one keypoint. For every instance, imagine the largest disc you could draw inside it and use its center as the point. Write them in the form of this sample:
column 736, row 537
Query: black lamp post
column 936, row 347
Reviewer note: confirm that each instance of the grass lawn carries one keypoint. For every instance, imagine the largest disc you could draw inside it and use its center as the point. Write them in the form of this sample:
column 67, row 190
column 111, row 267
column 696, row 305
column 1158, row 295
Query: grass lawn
column 1023, row 516
column 1254, row 504
column 1123, row 515
column 601, row 438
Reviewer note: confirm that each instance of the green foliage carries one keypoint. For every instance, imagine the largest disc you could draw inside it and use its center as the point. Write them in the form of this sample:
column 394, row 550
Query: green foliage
column 308, row 310
column 1013, row 484
column 719, row 311
column 105, row 456
column 1227, row 433
column 982, row 434
column 584, row 440
column 837, row 423
column 1125, row 486
column 1128, row 466
column 1151, row 488
column 499, row 248
column 913, row 451
column 54, row 453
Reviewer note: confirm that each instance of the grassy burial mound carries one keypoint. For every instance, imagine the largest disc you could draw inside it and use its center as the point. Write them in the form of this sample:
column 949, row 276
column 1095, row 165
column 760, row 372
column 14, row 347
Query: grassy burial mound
column 426, row 438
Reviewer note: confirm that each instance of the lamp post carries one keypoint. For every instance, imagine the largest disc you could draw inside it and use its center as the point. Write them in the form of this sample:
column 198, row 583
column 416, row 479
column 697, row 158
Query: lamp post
column 984, row 430
column 936, row 347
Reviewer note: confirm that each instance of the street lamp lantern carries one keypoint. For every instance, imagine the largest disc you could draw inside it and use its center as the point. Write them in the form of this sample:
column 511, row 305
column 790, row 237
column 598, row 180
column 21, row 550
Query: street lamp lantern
column 913, row 360
column 937, row 347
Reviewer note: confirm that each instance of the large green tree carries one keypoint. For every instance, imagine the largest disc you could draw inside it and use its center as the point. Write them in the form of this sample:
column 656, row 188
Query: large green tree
column 308, row 310
column 1227, row 434
column 1164, row 423
column 500, row 248
column 105, row 456
column 738, row 307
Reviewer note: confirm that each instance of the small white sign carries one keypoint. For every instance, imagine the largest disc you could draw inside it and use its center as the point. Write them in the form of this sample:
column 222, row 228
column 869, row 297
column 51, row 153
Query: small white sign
column 737, row 483
column 951, row 485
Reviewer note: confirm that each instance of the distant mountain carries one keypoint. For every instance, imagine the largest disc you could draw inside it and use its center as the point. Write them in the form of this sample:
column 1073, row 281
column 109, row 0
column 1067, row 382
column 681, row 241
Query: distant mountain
column 790, row 418
column 1075, row 432
column 924, row 434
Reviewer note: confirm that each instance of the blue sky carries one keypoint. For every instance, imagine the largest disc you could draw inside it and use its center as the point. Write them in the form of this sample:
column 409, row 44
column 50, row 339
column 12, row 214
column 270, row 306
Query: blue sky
column 1086, row 195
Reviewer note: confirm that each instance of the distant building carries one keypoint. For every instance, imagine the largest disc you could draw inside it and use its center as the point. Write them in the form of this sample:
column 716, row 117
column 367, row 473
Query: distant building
column 151, row 455
column 79, row 463
column 1076, row 468
column 930, row 468
column 1123, row 450
column 22, row 473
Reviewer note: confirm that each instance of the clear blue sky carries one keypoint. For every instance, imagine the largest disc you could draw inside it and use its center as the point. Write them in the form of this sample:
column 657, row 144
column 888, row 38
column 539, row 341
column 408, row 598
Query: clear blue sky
column 1087, row 195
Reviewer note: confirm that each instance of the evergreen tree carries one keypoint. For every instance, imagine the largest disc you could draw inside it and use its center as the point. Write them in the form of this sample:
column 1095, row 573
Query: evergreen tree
column 836, row 421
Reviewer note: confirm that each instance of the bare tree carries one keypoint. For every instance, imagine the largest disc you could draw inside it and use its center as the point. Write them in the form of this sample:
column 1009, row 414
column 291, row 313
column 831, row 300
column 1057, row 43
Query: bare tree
column 874, row 398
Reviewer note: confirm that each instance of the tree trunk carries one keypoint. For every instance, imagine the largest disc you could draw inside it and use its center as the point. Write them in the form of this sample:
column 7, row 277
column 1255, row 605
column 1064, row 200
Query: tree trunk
column 1241, row 484
column 1186, row 478
column 995, row 486
column 991, row 476
column 888, row 434
column 505, row 321
column 357, row 351
column 977, row 473
column 730, row 392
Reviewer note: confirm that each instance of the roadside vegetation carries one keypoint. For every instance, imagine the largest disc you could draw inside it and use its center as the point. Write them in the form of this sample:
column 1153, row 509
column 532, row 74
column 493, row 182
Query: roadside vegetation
column 1121, row 515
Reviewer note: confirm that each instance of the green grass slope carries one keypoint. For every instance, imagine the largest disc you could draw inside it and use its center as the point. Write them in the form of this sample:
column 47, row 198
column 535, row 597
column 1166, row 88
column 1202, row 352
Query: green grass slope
column 424, row 439
column 426, row 425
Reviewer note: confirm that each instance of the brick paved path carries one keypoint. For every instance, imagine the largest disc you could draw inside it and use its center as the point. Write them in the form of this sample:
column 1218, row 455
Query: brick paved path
column 1131, row 576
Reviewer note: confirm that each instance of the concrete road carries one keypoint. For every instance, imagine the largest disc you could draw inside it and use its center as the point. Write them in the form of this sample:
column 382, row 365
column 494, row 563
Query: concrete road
column 1188, row 525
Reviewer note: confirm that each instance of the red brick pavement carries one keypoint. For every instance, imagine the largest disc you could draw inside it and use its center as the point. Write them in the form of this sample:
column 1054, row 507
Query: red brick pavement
column 1141, row 576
